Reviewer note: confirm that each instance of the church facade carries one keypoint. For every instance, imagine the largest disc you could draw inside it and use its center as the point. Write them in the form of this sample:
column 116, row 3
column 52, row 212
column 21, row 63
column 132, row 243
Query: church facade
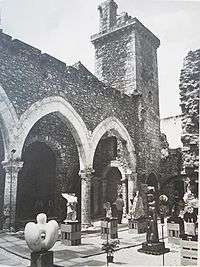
column 65, row 130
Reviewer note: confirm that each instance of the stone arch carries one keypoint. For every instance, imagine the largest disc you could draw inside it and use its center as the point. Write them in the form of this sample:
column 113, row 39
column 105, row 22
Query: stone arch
column 108, row 124
column 114, row 164
column 67, row 113
column 8, row 121
column 123, row 186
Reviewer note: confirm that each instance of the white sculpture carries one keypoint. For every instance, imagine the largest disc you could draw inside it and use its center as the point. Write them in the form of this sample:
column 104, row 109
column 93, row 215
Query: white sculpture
column 41, row 235
column 71, row 207
column 136, row 207
column 189, row 198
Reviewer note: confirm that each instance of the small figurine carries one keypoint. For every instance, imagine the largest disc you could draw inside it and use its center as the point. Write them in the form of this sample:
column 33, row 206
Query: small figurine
column 71, row 207
column 107, row 209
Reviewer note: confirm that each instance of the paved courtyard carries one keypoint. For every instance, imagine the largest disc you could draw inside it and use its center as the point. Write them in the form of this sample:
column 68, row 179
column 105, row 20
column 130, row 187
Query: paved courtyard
column 14, row 252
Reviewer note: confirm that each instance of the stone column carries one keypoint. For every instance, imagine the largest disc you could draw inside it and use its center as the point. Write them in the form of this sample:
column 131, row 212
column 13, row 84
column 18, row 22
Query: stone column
column 86, row 176
column 125, row 195
column 104, row 188
column 132, row 185
column 12, row 168
column 95, row 184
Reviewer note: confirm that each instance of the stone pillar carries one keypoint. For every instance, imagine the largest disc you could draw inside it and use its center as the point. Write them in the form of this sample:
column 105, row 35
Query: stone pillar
column 125, row 195
column 86, row 176
column 12, row 168
column 95, row 183
column 132, row 184
column 104, row 187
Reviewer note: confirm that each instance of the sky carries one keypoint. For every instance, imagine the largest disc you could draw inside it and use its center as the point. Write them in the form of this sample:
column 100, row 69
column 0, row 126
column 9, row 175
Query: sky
column 62, row 28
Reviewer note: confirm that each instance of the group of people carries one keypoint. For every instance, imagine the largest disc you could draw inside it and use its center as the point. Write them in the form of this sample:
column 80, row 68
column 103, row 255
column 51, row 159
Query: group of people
column 136, row 209
column 116, row 209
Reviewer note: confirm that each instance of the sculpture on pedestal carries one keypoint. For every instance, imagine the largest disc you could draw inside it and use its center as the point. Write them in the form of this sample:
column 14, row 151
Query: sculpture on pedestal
column 71, row 228
column 152, row 244
column 40, row 237
column 71, row 207
column 190, row 212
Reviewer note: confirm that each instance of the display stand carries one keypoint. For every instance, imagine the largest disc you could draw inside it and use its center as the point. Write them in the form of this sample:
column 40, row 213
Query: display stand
column 154, row 248
column 189, row 250
column 71, row 233
column 175, row 230
column 42, row 259
column 109, row 227
column 137, row 226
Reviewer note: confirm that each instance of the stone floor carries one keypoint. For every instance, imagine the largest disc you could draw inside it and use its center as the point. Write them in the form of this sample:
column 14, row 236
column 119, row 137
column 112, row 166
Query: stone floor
column 14, row 252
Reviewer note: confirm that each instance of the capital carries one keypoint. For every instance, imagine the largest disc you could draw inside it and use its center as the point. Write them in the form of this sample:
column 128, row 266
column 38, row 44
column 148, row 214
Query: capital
column 86, row 174
column 132, row 176
column 12, row 165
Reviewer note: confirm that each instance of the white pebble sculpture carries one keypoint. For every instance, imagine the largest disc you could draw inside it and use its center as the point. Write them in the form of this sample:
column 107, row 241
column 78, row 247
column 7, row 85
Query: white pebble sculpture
column 41, row 236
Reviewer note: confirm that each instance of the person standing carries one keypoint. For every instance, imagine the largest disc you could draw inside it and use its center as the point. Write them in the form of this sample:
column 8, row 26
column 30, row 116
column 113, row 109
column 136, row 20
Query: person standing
column 119, row 206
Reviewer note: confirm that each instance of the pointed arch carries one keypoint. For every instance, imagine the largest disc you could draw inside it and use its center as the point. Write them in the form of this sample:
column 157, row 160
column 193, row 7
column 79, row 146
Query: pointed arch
column 8, row 121
column 108, row 124
column 114, row 164
column 68, row 115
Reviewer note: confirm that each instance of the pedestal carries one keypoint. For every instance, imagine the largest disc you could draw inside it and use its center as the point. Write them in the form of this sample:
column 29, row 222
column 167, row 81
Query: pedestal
column 189, row 251
column 137, row 226
column 71, row 233
column 175, row 229
column 42, row 259
column 154, row 248
column 109, row 228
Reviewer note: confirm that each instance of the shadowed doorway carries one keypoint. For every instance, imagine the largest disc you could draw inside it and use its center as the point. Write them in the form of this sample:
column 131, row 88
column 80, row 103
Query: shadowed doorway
column 36, row 182
column 113, row 179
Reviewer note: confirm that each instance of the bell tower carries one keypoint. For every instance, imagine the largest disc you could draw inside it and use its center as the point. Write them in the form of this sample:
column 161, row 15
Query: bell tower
column 126, row 54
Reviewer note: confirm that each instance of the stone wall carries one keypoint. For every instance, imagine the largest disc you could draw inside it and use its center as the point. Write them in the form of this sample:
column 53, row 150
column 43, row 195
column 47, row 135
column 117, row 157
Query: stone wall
column 2, row 179
column 189, row 96
column 171, row 166
column 27, row 76
column 171, row 180
column 114, row 59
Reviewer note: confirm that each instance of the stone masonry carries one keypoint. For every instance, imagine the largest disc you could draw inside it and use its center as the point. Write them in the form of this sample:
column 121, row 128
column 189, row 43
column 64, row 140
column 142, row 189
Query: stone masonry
column 126, row 59
column 73, row 111
column 189, row 96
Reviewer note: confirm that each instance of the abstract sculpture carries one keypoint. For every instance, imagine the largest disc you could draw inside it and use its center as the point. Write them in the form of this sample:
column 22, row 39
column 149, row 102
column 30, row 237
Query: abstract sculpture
column 41, row 236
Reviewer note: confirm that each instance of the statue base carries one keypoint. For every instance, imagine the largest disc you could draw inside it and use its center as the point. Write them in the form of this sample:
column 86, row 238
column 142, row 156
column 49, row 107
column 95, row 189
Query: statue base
column 109, row 228
column 175, row 229
column 137, row 226
column 71, row 233
column 154, row 248
column 42, row 259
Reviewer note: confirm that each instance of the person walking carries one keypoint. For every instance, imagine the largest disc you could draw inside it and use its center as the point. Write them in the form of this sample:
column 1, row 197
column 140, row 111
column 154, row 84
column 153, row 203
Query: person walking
column 119, row 206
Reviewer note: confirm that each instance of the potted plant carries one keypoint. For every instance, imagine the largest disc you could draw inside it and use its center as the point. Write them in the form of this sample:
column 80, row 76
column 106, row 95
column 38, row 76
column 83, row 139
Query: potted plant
column 109, row 247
